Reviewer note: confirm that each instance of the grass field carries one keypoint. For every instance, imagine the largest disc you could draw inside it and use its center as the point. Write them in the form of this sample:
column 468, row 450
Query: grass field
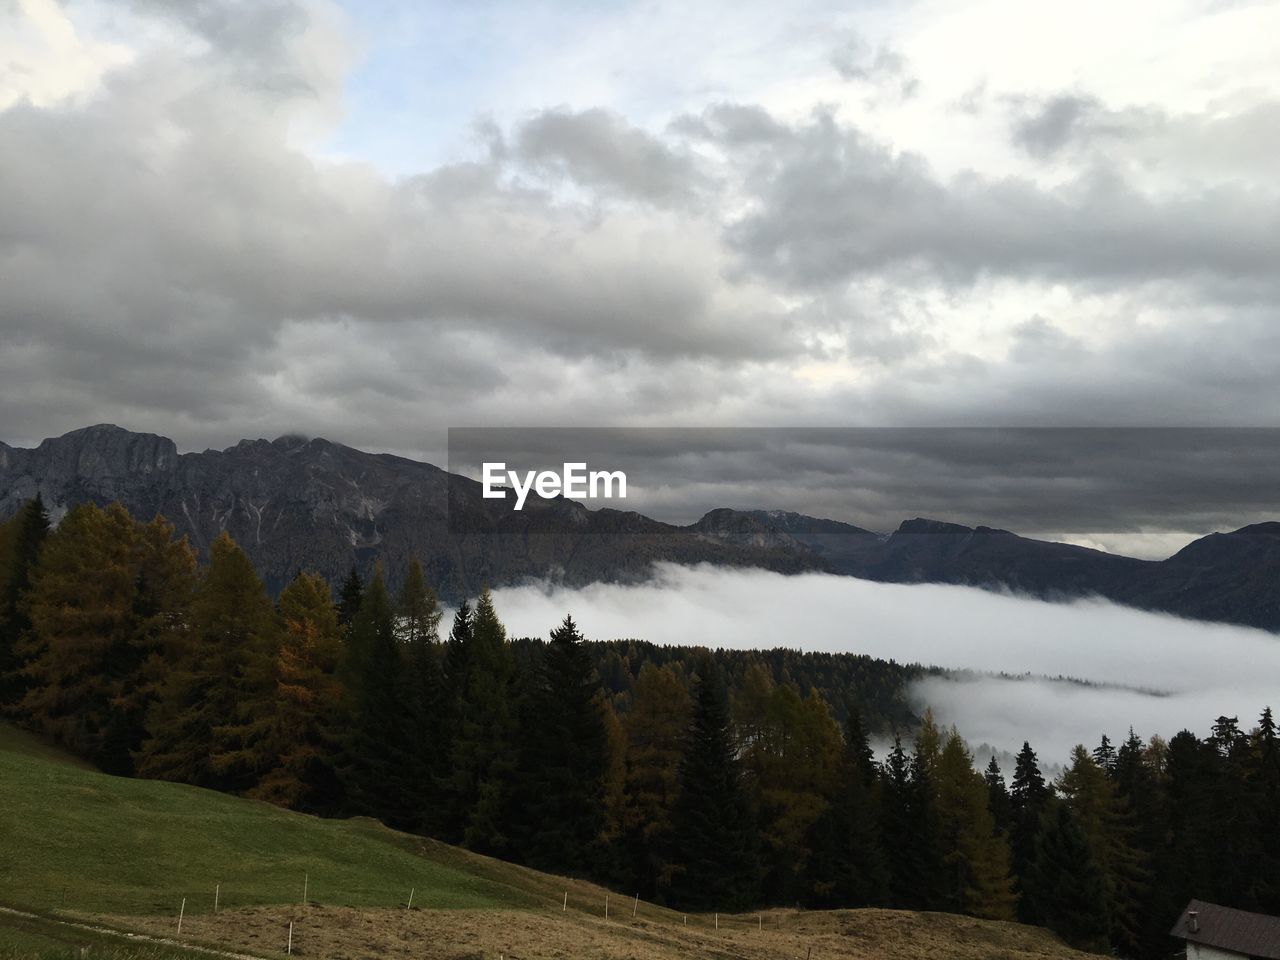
column 77, row 844
column 72, row 838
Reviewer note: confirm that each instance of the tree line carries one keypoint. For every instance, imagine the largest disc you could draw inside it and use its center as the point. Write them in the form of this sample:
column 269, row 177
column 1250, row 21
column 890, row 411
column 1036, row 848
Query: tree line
column 700, row 779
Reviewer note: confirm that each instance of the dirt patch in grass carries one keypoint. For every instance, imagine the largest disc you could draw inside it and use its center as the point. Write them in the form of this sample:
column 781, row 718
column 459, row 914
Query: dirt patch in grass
column 342, row 933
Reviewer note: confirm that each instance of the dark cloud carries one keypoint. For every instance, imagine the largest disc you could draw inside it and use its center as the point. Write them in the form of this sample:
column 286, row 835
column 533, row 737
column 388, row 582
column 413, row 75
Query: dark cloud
column 834, row 205
column 599, row 150
column 176, row 255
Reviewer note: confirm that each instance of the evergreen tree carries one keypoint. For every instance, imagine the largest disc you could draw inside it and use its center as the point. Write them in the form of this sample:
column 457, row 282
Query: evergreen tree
column 998, row 797
column 209, row 723
column 302, row 741
column 426, row 708
column 1104, row 755
column 484, row 756
column 1067, row 884
column 715, row 839
column 564, row 760
column 349, row 596
column 375, row 768
column 20, row 546
column 910, row 833
column 848, row 866
column 1029, row 797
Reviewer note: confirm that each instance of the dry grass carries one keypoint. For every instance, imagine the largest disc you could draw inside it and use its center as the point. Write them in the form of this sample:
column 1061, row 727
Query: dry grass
column 343, row 933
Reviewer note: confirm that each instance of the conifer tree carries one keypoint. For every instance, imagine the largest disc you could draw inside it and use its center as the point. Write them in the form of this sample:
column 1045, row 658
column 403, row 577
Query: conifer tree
column 997, row 797
column 107, row 595
column 1067, row 884
column 848, row 868
column 714, row 831
column 20, row 546
column 484, row 756
column 426, row 709
column 1029, row 797
column 375, row 768
column 349, row 596
column 209, row 723
column 565, row 758
column 909, row 832
column 976, row 859
column 1107, row 824
column 656, row 727
column 302, row 741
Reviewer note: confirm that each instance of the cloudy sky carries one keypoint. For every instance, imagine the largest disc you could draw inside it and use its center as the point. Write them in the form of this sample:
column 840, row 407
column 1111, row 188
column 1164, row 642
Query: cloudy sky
column 374, row 220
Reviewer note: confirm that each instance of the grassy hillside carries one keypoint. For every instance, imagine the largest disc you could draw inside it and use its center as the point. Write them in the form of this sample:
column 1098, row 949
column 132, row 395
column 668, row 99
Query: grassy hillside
column 75, row 843
column 80, row 840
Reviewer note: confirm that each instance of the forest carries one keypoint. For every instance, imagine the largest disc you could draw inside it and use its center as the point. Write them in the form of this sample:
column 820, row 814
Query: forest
column 700, row 778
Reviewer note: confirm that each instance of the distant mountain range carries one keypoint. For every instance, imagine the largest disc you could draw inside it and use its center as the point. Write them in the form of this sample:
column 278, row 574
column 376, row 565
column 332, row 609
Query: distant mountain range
column 298, row 504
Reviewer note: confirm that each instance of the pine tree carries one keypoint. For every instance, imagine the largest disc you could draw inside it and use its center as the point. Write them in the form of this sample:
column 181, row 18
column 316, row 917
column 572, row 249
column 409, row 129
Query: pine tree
column 715, row 839
column 20, row 548
column 212, row 715
column 1104, row 755
column 425, row 705
column 349, row 596
column 484, row 759
column 1067, row 884
column 1029, row 797
column 910, row 832
column 848, row 864
column 998, row 797
column 304, row 717
column 564, row 758
column 106, row 596
column 375, row 767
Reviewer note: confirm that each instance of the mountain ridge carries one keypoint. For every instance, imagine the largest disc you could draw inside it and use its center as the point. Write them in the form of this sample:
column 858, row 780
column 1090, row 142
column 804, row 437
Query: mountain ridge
column 309, row 503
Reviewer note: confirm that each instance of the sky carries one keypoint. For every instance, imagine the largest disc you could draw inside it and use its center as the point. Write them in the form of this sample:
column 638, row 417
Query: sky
column 372, row 221
column 1155, row 673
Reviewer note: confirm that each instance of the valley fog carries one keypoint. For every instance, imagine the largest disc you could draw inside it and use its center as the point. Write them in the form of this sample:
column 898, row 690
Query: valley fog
column 1055, row 674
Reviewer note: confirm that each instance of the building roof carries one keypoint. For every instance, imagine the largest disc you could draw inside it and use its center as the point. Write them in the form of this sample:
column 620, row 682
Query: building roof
column 1252, row 934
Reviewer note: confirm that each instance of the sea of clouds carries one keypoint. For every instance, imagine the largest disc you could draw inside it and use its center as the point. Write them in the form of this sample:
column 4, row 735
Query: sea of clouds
column 1019, row 661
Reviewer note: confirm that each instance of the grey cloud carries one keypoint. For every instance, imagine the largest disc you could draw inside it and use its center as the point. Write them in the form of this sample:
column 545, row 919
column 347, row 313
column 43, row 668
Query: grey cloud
column 834, row 205
column 856, row 60
column 1048, row 128
column 600, row 150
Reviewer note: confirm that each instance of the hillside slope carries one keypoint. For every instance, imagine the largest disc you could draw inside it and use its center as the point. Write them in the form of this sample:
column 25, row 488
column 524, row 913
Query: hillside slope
column 127, row 853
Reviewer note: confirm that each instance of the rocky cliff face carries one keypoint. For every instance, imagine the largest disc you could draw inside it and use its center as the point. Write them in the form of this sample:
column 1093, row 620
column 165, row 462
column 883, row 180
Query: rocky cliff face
column 297, row 504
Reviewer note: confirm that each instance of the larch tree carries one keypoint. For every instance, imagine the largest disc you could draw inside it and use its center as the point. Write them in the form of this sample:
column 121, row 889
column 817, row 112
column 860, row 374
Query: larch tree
column 211, row 718
column 656, row 728
column 302, row 739
column 975, row 857
column 107, row 596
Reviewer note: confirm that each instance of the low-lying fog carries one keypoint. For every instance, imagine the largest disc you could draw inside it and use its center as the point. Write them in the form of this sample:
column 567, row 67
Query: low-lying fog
column 1159, row 674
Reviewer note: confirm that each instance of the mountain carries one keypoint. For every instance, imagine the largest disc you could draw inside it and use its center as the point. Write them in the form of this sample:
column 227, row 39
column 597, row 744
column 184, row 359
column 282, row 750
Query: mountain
column 296, row 503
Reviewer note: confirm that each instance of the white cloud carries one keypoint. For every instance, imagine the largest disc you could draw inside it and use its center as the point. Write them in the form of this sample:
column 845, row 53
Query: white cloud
column 1156, row 673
